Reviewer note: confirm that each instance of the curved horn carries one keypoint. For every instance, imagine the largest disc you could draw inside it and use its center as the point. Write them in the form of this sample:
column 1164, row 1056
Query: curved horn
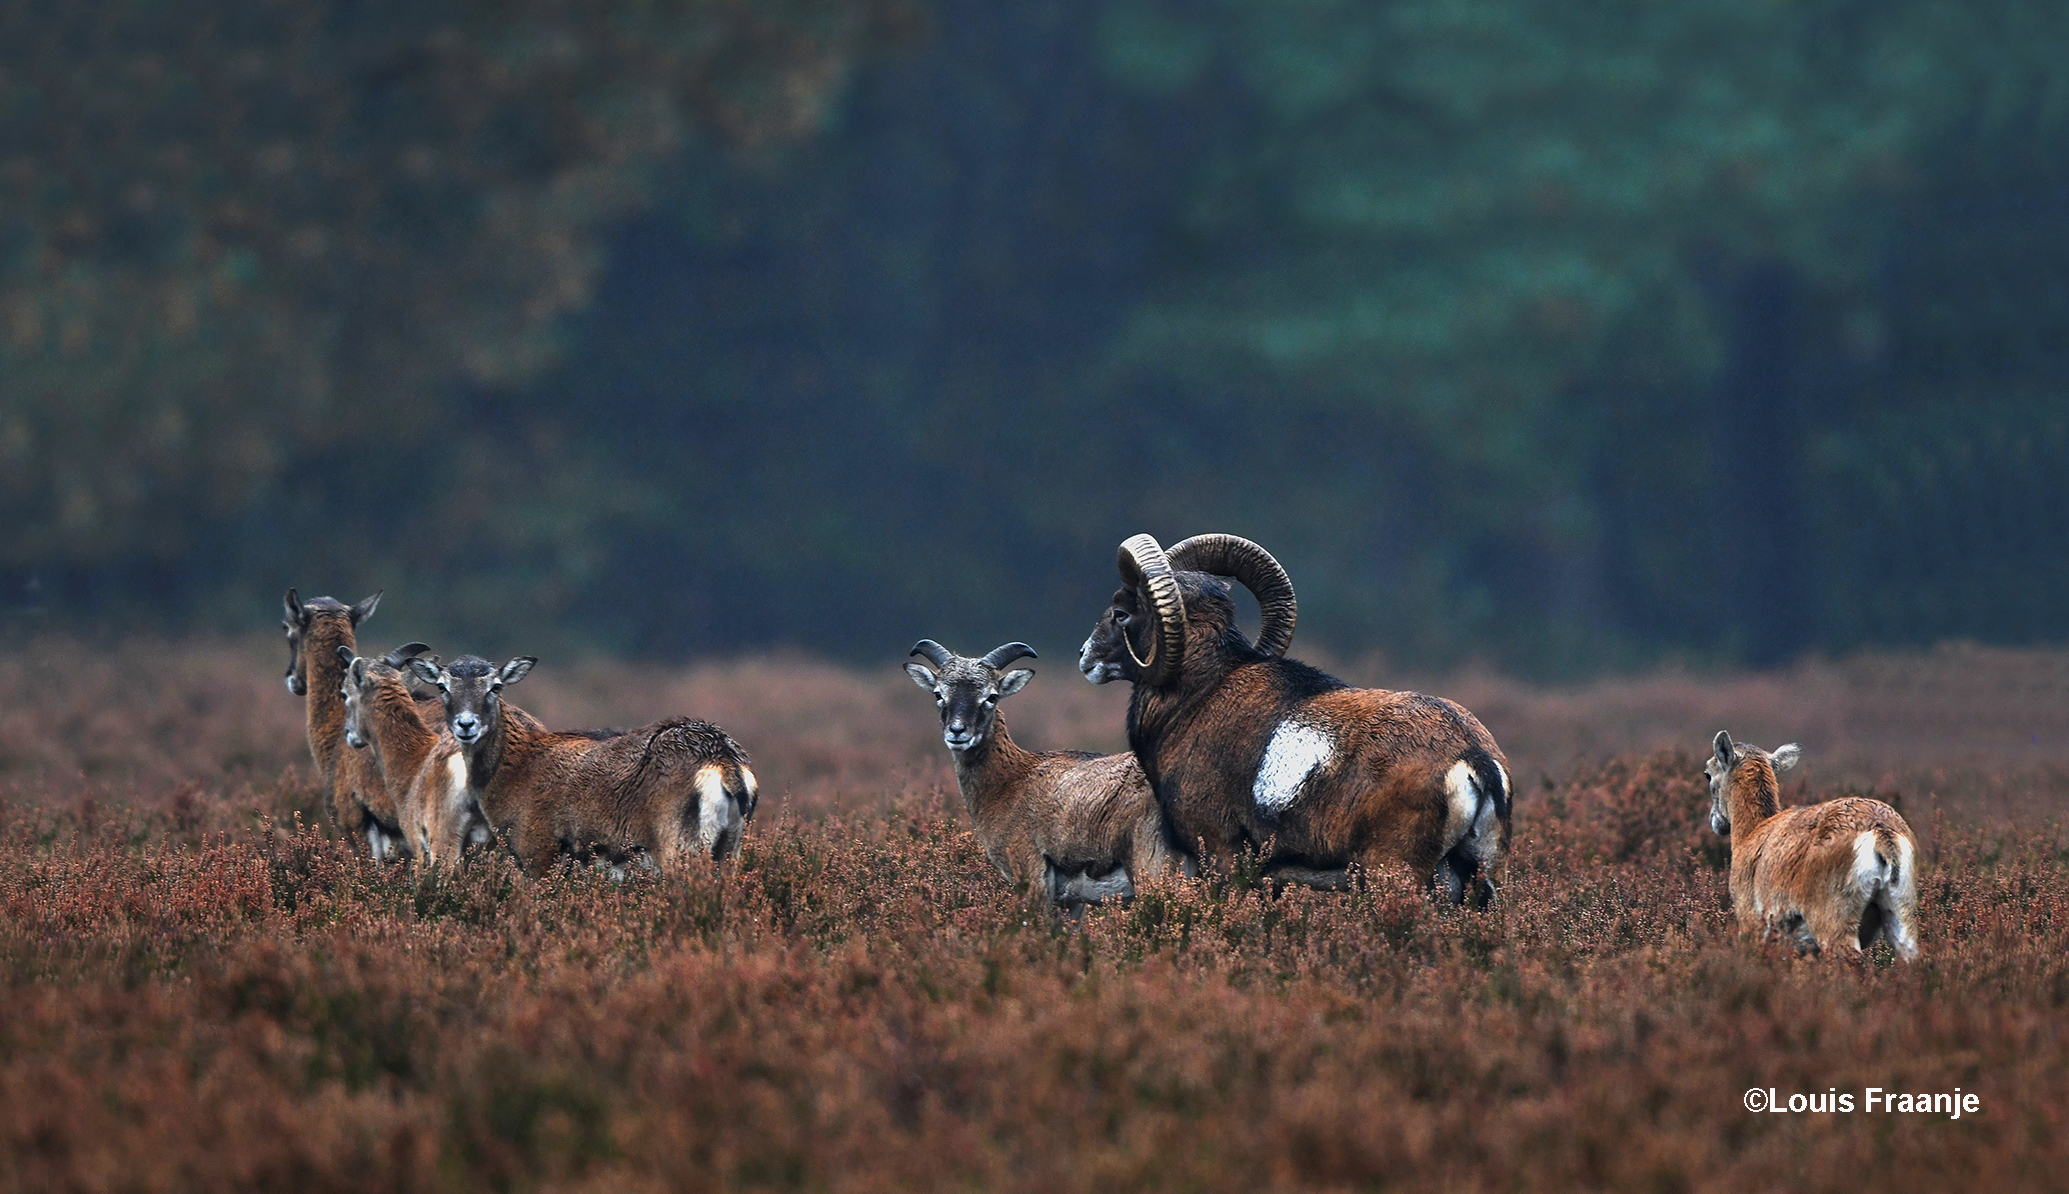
column 1146, row 569
column 403, row 654
column 1002, row 656
column 935, row 652
column 1256, row 570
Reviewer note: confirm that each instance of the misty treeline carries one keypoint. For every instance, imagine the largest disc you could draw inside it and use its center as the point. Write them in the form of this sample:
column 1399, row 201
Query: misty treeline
column 1562, row 336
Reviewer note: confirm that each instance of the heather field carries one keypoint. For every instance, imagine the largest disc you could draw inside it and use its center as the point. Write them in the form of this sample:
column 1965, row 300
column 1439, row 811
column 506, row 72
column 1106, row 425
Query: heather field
column 205, row 989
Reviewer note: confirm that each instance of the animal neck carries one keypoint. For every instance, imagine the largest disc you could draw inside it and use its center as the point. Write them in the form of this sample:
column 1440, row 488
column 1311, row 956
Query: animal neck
column 485, row 754
column 989, row 772
column 1751, row 796
column 322, row 674
column 400, row 737
column 1154, row 711
column 496, row 762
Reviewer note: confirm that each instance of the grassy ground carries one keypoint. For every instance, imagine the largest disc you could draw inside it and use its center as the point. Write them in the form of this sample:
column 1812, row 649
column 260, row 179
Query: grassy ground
column 203, row 990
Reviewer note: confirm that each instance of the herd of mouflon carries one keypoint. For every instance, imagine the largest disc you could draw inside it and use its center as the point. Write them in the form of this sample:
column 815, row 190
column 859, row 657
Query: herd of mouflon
column 1238, row 756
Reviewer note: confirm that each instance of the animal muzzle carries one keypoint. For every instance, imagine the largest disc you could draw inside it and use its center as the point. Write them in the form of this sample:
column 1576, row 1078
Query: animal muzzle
column 1720, row 826
column 1095, row 669
column 960, row 737
column 294, row 683
column 467, row 727
column 355, row 740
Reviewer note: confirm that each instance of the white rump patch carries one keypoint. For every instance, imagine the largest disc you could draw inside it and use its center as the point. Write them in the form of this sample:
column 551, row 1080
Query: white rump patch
column 715, row 811
column 1869, row 870
column 1462, row 804
column 1904, row 935
column 1296, row 750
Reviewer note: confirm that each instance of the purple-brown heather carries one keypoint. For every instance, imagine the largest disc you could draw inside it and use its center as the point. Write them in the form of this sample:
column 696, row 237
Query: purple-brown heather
column 206, row 986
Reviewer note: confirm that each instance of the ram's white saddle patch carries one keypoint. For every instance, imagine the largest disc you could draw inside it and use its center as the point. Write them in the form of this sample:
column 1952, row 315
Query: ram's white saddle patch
column 1295, row 751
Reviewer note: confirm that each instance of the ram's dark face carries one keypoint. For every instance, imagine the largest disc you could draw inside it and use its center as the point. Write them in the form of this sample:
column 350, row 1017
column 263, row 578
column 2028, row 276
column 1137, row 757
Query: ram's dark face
column 1107, row 653
column 472, row 687
column 968, row 694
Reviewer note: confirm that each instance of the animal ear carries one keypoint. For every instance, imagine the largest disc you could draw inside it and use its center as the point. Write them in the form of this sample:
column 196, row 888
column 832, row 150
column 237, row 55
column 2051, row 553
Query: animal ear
column 345, row 655
column 358, row 670
column 365, row 609
column 1014, row 681
column 1723, row 744
column 1785, row 757
column 424, row 670
column 517, row 669
column 295, row 612
column 922, row 677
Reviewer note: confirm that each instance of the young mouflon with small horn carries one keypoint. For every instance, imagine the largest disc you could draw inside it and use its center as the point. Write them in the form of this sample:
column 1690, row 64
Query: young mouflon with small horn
column 667, row 792
column 1245, row 748
column 1077, row 827
column 1843, row 870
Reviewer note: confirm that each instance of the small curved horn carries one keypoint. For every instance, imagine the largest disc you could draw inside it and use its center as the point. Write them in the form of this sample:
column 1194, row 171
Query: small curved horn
column 1146, row 569
column 937, row 654
column 1002, row 656
column 1256, row 570
column 404, row 653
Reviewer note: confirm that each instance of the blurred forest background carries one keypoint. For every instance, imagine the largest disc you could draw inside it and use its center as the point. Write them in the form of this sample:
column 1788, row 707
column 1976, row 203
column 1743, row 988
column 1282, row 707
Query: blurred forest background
column 1561, row 337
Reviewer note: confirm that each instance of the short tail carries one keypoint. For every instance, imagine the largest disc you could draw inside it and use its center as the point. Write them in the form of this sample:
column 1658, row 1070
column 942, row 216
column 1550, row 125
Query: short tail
column 1493, row 777
column 1476, row 825
column 1889, row 875
column 722, row 784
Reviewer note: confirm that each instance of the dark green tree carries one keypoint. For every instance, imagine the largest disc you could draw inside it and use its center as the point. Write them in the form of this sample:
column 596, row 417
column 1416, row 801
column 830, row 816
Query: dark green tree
column 241, row 239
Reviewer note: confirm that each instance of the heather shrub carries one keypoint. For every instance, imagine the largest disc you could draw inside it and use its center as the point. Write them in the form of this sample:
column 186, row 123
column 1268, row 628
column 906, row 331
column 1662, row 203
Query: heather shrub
column 209, row 990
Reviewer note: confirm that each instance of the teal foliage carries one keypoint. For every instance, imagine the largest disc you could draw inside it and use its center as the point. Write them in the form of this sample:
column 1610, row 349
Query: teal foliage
column 1559, row 336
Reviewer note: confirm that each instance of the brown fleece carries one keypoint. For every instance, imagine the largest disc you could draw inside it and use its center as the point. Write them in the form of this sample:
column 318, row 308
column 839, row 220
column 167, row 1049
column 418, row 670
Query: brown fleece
column 1792, row 870
column 1380, row 798
column 550, row 794
column 1067, row 809
column 409, row 750
column 321, row 671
